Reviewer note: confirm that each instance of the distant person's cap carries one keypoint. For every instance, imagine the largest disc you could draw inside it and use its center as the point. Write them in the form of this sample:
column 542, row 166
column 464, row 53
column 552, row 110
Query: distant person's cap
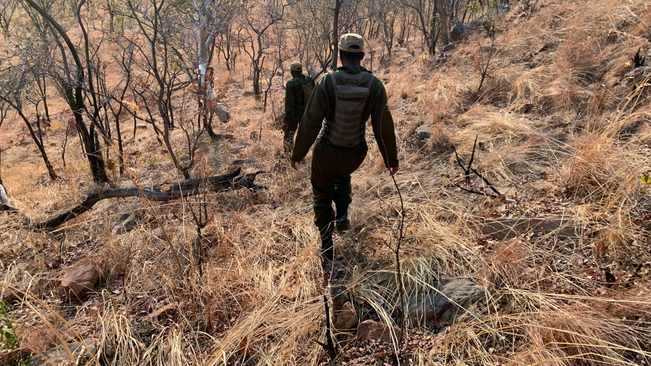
column 296, row 67
column 351, row 42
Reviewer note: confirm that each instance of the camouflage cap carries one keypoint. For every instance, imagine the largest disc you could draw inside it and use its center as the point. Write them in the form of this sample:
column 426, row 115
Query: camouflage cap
column 296, row 67
column 351, row 42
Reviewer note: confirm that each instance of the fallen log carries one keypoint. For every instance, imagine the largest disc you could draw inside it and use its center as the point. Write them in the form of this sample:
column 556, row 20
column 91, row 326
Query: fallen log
column 509, row 228
column 186, row 188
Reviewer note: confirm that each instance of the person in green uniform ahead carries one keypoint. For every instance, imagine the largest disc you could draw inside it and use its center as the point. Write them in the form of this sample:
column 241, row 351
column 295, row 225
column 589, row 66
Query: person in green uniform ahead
column 297, row 92
column 336, row 115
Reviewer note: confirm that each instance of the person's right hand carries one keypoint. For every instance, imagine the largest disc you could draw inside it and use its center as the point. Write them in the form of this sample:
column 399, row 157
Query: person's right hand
column 393, row 170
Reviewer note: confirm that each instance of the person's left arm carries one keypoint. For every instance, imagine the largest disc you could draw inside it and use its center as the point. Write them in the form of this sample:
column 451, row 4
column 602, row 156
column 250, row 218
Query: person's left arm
column 383, row 126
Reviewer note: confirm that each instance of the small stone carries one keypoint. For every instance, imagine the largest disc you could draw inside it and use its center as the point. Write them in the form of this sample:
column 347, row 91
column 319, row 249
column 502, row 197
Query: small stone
column 78, row 279
column 423, row 132
column 37, row 340
column 126, row 223
column 371, row 330
column 345, row 318
column 54, row 262
column 222, row 112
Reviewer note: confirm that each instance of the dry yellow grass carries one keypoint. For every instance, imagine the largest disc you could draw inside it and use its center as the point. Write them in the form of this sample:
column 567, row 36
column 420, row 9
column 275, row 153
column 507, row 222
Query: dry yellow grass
column 259, row 299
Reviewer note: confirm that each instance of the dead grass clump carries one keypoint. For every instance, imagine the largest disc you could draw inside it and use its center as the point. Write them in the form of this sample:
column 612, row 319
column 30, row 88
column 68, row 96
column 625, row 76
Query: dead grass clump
column 541, row 329
column 442, row 93
column 526, row 93
column 631, row 127
column 607, row 175
column 495, row 128
column 444, row 235
column 117, row 344
column 168, row 348
column 440, row 142
column 579, row 336
column 580, row 57
column 597, row 170
column 496, row 89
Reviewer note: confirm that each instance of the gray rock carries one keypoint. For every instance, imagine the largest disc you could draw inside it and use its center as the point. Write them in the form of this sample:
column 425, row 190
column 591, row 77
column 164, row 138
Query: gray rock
column 440, row 308
column 126, row 223
column 423, row 133
column 222, row 112
column 458, row 32
column 5, row 204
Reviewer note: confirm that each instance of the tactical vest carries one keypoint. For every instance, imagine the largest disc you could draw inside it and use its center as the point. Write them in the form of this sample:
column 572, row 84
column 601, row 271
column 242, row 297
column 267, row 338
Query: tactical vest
column 348, row 127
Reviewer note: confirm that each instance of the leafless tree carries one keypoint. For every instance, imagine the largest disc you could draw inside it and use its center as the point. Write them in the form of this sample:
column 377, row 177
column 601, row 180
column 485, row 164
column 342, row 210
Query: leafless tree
column 34, row 127
column 335, row 32
column 228, row 44
column 485, row 57
column 385, row 14
column 74, row 79
column 311, row 27
column 4, row 111
column 164, row 76
column 259, row 20
column 23, row 88
column 211, row 18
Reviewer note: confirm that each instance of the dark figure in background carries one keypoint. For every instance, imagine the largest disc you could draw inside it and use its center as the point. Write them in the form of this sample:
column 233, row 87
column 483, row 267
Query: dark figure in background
column 297, row 93
column 345, row 98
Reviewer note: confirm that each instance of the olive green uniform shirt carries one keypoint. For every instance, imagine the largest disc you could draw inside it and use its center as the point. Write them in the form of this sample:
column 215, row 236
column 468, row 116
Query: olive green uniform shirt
column 294, row 101
column 321, row 105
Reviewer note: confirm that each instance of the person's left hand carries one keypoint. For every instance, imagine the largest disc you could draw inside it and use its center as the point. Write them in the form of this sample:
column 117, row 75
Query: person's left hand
column 294, row 164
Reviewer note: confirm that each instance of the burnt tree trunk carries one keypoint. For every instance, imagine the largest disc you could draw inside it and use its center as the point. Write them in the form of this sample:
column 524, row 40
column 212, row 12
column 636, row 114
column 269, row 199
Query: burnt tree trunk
column 186, row 188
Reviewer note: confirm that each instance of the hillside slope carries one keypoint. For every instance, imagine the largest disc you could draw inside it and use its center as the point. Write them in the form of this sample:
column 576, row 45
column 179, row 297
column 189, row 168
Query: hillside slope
column 555, row 270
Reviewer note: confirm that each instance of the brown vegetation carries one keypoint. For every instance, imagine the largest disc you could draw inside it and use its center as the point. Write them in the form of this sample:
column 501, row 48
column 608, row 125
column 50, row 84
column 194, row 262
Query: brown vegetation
column 558, row 266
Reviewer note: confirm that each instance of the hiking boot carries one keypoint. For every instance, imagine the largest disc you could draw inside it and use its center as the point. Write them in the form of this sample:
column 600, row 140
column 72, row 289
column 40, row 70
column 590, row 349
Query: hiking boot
column 342, row 225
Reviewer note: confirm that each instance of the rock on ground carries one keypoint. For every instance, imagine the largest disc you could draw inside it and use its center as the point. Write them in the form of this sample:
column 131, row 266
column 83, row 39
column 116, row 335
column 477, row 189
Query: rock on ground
column 441, row 308
column 345, row 319
column 372, row 330
column 126, row 223
column 79, row 279
column 222, row 112
column 5, row 204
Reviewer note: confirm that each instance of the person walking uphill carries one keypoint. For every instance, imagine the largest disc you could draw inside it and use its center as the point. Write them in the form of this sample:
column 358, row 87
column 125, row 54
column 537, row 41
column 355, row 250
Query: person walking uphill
column 297, row 92
column 345, row 98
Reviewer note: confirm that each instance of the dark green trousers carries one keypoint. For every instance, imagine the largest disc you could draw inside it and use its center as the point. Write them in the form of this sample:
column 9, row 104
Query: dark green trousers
column 331, row 170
